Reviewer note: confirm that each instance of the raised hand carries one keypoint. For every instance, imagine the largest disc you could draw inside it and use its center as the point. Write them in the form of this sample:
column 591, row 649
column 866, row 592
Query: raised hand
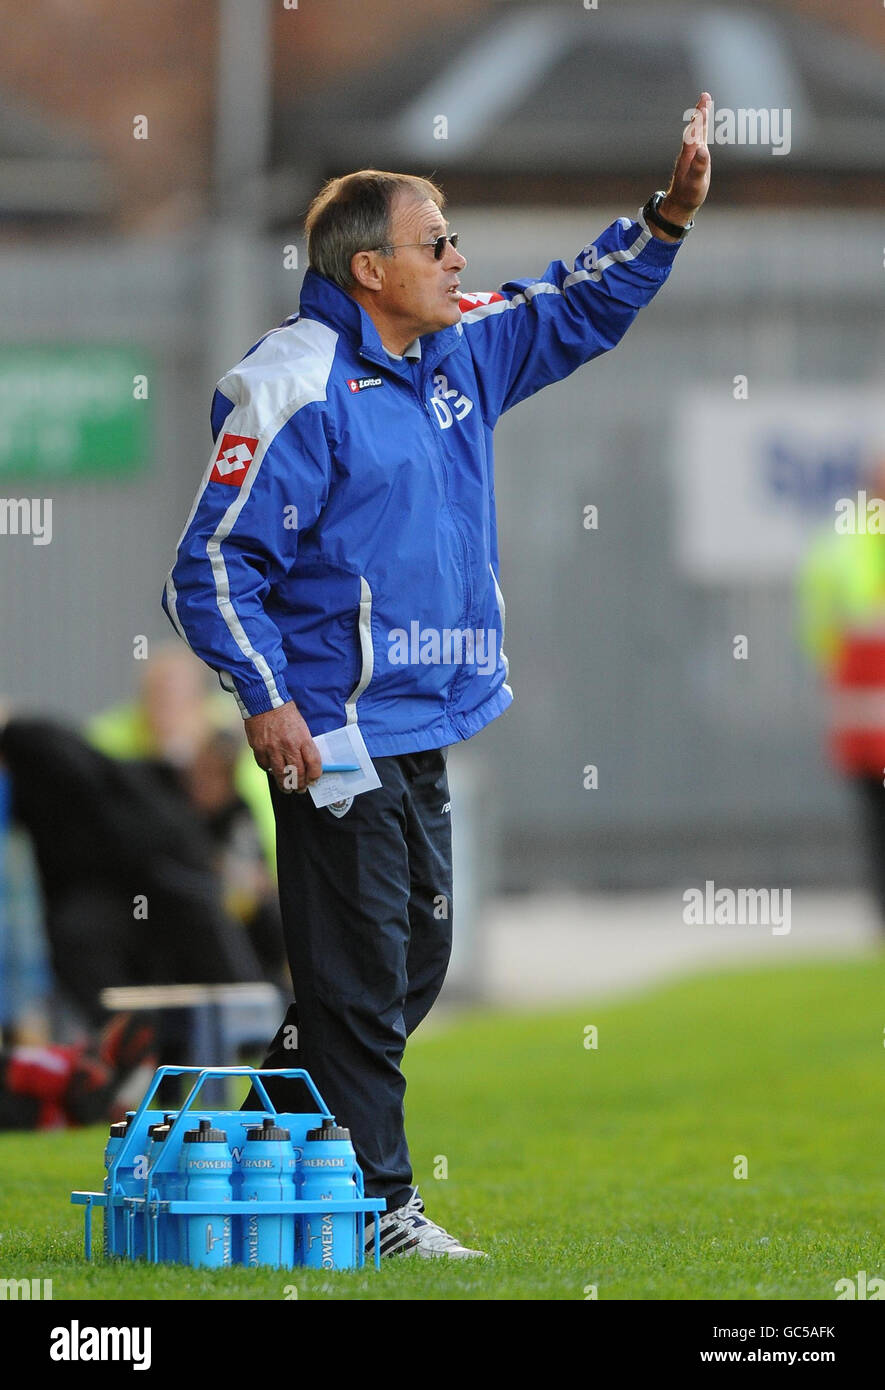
column 690, row 182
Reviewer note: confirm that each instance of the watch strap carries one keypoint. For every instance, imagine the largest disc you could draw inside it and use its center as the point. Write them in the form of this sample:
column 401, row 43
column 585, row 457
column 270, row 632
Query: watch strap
column 651, row 214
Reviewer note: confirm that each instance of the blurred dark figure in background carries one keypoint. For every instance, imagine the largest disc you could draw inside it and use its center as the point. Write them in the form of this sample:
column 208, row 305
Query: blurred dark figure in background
column 196, row 745
column 51, row 1086
column 248, row 888
column 173, row 718
column 130, row 893
column 842, row 625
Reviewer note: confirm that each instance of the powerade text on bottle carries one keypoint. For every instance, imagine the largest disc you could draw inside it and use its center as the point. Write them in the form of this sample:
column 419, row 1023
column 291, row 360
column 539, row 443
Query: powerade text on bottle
column 267, row 1174
column 206, row 1164
column 327, row 1174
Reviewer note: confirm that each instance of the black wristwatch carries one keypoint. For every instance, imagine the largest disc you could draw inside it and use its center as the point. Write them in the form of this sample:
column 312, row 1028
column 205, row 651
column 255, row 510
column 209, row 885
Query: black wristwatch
column 651, row 214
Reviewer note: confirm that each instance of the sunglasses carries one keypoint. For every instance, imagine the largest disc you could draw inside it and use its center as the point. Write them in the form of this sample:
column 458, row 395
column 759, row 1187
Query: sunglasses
column 439, row 245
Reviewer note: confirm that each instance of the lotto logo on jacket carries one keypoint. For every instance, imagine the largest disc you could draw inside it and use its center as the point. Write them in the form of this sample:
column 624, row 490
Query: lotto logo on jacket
column 232, row 461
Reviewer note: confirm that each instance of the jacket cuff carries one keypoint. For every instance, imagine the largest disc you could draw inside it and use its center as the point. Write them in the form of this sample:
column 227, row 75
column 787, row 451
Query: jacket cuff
column 257, row 699
column 655, row 251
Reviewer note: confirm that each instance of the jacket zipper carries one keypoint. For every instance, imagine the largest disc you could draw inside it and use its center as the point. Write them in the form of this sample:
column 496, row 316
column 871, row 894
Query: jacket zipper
column 437, row 443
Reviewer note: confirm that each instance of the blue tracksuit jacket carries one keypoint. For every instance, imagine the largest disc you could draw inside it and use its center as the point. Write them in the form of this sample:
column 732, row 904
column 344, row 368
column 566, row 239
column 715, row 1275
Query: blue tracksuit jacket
column 342, row 547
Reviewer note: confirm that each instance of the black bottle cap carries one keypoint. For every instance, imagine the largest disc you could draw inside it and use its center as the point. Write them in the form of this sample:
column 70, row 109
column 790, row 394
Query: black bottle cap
column 327, row 1131
column 269, row 1131
column 118, row 1130
column 160, row 1133
column 152, row 1129
column 205, row 1134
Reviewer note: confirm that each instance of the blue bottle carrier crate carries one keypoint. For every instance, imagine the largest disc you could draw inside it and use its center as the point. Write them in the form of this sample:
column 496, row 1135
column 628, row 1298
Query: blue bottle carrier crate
column 148, row 1213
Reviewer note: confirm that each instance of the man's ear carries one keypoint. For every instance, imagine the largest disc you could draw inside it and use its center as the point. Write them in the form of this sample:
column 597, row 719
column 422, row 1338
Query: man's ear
column 364, row 270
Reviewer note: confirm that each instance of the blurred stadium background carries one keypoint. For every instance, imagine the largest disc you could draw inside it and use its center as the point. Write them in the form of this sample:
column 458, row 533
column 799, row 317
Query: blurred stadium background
column 166, row 256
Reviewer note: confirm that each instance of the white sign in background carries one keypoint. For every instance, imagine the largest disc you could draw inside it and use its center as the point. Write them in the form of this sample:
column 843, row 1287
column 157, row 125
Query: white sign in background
column 756, row 479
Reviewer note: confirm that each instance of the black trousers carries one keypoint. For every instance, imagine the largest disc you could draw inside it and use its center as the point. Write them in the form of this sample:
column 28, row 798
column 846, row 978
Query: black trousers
column 366, row 902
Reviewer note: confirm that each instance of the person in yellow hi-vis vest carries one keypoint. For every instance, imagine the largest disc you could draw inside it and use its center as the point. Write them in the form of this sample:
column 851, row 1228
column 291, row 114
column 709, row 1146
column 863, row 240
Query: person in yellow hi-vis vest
column 171, row 719
column 842, row 627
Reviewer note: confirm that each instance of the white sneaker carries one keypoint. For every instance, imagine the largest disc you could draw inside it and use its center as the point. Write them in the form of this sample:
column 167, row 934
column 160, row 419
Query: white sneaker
column 396, row 1237
column 431, row 1239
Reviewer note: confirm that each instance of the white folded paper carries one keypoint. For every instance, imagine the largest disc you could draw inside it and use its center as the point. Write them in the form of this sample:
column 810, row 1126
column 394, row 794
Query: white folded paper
column 345, row 745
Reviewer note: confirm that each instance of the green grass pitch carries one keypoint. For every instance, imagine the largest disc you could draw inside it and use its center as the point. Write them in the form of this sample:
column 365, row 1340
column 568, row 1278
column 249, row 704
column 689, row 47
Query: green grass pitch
column 576, row 1166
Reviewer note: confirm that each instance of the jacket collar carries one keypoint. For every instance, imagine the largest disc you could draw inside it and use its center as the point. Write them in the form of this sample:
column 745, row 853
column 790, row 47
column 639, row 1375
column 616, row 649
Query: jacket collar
column 322, row 299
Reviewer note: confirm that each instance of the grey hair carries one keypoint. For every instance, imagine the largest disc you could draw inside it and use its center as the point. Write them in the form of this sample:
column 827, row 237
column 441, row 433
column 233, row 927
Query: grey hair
column 352, row 213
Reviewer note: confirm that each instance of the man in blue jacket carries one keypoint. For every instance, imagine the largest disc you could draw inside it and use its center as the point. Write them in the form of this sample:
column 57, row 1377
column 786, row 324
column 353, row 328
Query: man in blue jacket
column 340, row 567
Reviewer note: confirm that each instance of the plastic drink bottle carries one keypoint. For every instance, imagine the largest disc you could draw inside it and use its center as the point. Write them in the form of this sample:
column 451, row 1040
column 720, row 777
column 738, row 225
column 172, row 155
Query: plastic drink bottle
column 327, row 1174
column 206, row 1164
column 158, row 1133
column 267, row 1174
column 113, row 1216
column 130, row 1183
column 153, row 1131
column 167, row 1185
